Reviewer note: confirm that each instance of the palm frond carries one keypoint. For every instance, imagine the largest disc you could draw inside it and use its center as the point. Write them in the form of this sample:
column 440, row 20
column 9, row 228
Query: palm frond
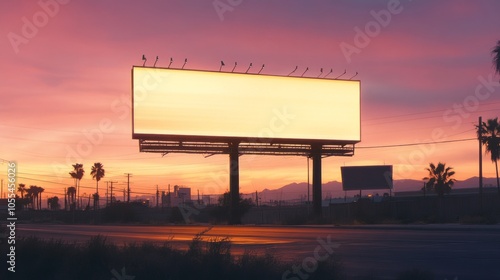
column 496, row 57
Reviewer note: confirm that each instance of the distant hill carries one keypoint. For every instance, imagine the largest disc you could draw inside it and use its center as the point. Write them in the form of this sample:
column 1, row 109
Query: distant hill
column 297, row 191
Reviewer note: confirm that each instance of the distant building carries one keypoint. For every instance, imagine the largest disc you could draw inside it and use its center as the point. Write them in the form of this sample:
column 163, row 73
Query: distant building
column 179, row 196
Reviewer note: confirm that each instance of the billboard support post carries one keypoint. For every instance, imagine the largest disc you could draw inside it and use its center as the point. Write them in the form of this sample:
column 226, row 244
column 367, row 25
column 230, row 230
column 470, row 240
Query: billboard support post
column 316, row 160
column 234, row 183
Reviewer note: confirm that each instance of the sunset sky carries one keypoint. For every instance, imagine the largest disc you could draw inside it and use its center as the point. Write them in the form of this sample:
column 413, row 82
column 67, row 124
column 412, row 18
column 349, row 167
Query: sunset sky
column 425, row 69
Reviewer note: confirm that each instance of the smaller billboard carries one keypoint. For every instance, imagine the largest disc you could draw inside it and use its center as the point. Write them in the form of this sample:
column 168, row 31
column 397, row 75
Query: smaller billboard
column 372, row 177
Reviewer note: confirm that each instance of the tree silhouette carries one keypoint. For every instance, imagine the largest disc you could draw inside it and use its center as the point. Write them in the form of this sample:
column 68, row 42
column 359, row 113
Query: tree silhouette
column 53, row 203
column 97, row 173
column 77, row 174
column 439, row 178
column 22, row 189
column 95, row 197
column 489, row 134
column 40, row 191
column 32, row 195
column 71, row 197
column 496, row 57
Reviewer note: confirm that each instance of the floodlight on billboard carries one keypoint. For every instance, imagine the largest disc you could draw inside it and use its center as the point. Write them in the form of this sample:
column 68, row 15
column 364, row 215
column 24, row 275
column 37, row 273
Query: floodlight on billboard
column 373, row 177
column 184, row 105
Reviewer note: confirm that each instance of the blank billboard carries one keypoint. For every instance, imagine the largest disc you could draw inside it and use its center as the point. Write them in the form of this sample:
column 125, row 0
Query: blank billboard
column 366, row 177
column 185, row 104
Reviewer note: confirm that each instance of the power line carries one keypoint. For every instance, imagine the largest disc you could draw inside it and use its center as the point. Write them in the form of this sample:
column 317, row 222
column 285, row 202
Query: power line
column 429, row 112
column 416, row 144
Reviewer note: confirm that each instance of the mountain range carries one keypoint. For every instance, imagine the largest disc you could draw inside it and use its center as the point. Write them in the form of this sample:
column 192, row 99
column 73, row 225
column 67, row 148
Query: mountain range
column 333, row 189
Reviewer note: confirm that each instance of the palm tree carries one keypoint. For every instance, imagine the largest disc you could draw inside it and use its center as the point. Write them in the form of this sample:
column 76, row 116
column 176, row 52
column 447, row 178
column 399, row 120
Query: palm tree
column 22, row 189
column 496, row 57
column 40, row 191
column 490, row 137
column 53, row 203
column 95, row 197
column 71, row 197
column 35, row 195
column 439, row 178
column 97, row 173
column 77, row 174
column 29, row 195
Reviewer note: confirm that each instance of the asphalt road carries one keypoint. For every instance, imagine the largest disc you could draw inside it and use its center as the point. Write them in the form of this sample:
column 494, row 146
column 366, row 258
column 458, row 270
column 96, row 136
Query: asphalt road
column 449, row 251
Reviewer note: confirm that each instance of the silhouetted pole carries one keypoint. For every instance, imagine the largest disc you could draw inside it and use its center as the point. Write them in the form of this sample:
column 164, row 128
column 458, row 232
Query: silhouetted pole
column 107, row 192
column 308, row 184
column 128, row 186
column 169, row 201
column 256, row 199
column 234, row 184
column 316, row 158
column 65, row 201
column 480, row 138
column 111, row 195
column 157, row 195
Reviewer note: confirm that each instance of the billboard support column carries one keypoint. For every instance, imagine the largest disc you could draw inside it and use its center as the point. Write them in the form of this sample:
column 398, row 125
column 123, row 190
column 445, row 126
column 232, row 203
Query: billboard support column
column 316, row 160
column 234, row 184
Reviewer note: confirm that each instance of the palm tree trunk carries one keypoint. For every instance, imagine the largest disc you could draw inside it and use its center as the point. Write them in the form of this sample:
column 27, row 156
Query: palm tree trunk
column 76, row 185
column 78, row 195
column 498, row 181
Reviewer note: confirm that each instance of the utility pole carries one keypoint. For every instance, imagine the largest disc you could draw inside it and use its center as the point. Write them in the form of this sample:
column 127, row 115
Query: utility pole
column 157, row 195
column 107, row 190
column 169, row 195
column 256, row 199
column 308, row 184
column 128, row 186
column 110, row 194
column 480, row 137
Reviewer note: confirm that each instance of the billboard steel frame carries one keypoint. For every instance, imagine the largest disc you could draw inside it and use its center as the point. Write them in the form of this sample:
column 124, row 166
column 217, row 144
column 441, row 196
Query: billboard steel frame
column 190, row 147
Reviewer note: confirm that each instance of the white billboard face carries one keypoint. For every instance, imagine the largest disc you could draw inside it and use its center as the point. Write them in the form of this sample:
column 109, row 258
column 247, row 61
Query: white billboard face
column 190, row 103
